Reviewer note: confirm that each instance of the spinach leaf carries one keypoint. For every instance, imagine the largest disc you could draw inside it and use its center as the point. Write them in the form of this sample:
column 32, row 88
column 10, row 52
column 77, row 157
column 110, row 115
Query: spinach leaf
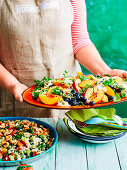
column 116, row 98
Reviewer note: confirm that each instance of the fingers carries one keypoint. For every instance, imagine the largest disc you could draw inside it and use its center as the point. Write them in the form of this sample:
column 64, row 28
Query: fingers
column 19, row 98
column 18, row 89
column 117, row 72
column 124, row 74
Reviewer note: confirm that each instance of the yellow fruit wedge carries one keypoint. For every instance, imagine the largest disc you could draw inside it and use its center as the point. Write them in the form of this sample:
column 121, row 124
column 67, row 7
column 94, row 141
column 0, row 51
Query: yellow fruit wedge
column 79, row 74
column 88, row 93
column 99, row 96
column 49, row 99
column 87, row 82
column 105, row 98
column 109, row 91
column 119, row 80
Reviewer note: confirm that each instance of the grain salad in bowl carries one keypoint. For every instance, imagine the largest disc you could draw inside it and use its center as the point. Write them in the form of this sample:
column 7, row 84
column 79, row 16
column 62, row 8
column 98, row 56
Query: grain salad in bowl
column 22, row 139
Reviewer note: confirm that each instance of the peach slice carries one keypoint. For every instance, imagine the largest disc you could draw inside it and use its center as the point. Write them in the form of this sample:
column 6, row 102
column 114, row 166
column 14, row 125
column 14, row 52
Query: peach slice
column 58, row 83
column 61, row 85
column 93, row 95
column 90, row 76
column 76, row 85
column 119, row 80
column 80, row 74
column 88, row 93
column 109, row 91
column 49, row 99
column 105, row 98
column 85, row 82
column 99, row 96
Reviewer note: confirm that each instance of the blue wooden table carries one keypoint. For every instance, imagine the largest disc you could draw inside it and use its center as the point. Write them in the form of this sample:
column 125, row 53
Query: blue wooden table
column 72, row 153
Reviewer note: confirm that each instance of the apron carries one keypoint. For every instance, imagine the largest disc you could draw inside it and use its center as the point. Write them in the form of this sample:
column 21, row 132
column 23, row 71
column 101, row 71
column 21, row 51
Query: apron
column 35, row 41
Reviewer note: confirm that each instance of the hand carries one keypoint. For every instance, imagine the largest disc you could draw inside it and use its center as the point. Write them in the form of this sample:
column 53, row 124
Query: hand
column 17, row 90
column 117, row 72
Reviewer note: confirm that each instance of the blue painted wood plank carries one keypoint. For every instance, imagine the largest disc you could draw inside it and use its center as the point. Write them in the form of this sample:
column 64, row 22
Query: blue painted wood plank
column 121, row 145
column 47, row 162
column 70, row 151
column 102, row 156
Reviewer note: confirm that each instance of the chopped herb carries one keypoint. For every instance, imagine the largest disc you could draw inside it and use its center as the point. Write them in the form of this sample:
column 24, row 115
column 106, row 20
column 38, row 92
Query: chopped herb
column 66, row 75
column 98, row 76
column 86, row 87
column 82, row 104
column 107, row 75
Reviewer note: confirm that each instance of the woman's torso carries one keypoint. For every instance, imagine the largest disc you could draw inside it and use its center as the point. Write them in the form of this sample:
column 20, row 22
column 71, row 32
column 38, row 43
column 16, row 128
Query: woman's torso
column 35, row 41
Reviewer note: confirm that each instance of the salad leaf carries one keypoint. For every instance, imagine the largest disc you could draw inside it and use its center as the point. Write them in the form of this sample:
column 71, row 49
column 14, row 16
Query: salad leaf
column 123, row 93
column 116, row 98
column 35, row 94
column 82, row 78
column 45, row 80
column 109, row 82
column 56, row 91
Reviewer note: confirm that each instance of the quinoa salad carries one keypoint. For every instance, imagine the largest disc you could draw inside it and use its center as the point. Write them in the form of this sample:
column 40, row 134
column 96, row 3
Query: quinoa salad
column 21, row 139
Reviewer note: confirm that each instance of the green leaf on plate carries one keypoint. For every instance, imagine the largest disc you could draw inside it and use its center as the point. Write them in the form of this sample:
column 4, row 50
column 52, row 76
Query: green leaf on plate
column 116, row 98
column 123, row 93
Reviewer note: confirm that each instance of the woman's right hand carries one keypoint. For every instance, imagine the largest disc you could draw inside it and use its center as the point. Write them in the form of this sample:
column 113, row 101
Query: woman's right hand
column 17, row 90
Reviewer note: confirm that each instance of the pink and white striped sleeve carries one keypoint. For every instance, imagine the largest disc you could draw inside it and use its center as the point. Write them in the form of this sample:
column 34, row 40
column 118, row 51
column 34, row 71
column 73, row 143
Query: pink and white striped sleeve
column 80, row 36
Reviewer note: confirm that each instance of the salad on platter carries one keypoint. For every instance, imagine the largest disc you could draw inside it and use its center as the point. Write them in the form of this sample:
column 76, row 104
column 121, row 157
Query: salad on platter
column 21, row 139
column 81, row 90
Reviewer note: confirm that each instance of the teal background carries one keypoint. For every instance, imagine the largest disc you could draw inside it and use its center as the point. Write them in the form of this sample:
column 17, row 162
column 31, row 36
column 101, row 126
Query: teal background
column 107, row 27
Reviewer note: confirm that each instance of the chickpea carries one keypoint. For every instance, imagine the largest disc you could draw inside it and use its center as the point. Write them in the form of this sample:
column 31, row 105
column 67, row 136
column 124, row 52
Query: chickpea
column 13, row 141
column 2, row 126
column 2, row 131
column 8, row 138
column 3, row 150
column 5, row 144
column 26, row 127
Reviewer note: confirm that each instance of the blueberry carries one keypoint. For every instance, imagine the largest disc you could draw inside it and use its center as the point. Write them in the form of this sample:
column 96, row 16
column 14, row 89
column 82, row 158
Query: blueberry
column 77, row 96
column 110, row 98
column 91, row 103
column 61, row 91
column 67, row 100
column 86, row 102
column 73, row 91
column 77, row 93
column 118, row 90
column 110, row 86
column 74, row 102
column 83, row 99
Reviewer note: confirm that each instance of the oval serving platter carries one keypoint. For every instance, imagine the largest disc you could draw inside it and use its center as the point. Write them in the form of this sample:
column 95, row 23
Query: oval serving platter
column 34, row 158
column 27, row 96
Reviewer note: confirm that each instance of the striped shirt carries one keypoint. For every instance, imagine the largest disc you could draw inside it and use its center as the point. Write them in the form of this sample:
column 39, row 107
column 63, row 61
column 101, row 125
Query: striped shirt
column 80, row 36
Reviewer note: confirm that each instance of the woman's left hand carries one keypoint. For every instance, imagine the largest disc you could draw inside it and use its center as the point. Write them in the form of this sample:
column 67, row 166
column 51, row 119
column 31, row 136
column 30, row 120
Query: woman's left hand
column 117, row 72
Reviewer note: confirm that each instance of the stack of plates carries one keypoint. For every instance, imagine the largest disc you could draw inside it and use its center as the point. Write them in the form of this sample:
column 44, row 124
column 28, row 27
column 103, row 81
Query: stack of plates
column 88, row 138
